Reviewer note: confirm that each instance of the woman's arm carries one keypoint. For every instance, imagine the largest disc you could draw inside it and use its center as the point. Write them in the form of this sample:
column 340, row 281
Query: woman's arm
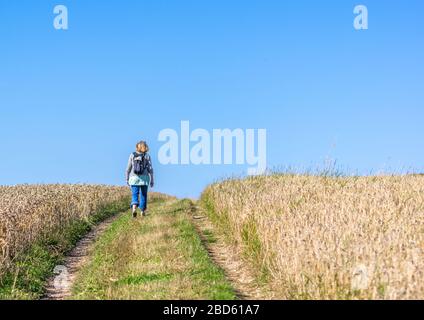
column 129, row 168
column 150, row 171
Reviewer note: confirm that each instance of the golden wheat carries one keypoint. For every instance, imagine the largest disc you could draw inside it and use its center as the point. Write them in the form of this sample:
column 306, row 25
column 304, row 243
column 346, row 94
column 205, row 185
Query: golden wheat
column 326, row 237
column 29, row 212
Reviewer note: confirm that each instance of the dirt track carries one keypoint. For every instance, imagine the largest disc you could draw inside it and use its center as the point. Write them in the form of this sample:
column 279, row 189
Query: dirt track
column 236, row 270
column 59, row 285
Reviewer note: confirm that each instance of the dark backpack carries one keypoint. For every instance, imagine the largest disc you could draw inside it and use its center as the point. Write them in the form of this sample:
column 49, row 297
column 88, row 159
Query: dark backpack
column 140, row 163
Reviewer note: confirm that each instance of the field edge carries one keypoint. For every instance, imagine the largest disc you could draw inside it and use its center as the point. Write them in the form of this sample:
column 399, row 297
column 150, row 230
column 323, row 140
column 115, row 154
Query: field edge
column 27, row 278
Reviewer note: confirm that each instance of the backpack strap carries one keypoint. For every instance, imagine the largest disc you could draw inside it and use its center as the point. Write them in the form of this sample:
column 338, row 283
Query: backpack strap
column 144, row 156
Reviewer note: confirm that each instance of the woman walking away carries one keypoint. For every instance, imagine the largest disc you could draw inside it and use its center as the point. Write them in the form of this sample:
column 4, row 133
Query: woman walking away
column 139, row 176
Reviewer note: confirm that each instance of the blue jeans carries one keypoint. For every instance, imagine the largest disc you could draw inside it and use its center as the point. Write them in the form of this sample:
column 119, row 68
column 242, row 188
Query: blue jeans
column 139, row 196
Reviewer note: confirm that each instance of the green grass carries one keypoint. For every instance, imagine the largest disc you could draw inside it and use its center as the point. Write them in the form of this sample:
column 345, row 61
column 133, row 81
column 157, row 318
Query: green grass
column 209, row 236
column 157, row 257
column 27, row 278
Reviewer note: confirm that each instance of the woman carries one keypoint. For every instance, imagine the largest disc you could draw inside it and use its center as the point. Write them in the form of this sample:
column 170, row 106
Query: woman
column 139, row 176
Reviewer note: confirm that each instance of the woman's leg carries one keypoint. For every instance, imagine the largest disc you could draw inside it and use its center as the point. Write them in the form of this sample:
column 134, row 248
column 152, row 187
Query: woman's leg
column 143, row 198
column 135, row 196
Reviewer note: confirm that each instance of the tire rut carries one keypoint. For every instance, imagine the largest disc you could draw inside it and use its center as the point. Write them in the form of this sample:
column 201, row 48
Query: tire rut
column 240, row 275
column 59, row 286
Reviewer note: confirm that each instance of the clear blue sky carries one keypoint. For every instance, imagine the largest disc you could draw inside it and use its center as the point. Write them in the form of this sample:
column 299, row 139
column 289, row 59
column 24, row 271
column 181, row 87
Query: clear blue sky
column 76, row 101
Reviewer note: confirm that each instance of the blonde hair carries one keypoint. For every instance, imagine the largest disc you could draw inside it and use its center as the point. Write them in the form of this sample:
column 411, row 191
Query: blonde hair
column 142, row 147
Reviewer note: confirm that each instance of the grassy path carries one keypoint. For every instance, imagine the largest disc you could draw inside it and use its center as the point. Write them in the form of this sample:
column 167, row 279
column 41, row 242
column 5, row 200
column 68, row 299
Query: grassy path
column 156, row 257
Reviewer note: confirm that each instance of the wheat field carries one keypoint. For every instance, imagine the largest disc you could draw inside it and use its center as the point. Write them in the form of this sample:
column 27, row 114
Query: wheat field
column 312, row 237
column 30, row 212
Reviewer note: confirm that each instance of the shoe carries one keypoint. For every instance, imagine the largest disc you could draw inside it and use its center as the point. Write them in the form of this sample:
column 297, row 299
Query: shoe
column 134, row 213
column 143, row 213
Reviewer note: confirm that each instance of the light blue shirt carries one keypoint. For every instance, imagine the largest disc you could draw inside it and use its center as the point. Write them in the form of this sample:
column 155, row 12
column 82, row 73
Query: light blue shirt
column 135, row 180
